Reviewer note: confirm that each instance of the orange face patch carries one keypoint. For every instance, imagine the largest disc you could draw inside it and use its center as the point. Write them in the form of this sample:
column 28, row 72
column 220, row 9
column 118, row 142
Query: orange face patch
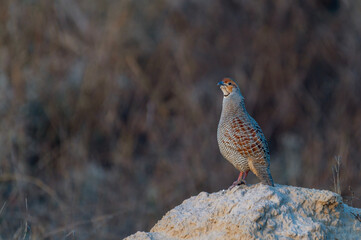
column 229, row 84
column 228, row 80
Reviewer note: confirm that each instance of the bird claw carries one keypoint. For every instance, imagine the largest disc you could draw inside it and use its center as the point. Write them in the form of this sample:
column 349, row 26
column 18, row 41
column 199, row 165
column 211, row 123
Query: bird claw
column 237, row 183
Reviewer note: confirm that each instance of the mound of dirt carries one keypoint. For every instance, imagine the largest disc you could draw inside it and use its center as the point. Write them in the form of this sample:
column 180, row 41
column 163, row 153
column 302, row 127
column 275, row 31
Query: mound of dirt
column 259, row 212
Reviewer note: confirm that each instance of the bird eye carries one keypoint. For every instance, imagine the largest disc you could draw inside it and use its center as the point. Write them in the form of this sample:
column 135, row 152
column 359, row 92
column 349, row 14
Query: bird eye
column 229, row 83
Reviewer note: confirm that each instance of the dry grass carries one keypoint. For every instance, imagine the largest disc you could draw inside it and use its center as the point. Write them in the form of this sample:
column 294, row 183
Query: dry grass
column 336, row 170
column 109, row 109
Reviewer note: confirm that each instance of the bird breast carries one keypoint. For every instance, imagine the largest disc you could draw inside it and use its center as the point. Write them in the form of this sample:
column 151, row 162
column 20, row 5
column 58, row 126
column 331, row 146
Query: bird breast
column 233, row 141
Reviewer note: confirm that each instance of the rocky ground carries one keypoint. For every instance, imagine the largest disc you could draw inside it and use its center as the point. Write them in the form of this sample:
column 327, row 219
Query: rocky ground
column 259, row 212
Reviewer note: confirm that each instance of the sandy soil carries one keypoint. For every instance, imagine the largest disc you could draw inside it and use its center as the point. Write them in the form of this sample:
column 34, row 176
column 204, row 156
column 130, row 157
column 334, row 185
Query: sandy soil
column 259, row 211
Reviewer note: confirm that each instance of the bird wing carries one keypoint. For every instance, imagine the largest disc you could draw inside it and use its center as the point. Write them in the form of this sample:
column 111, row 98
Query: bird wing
column 247, row 137
column 261, row 136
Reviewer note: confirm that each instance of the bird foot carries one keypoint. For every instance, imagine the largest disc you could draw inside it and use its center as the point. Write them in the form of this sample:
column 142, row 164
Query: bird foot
column 237, row 183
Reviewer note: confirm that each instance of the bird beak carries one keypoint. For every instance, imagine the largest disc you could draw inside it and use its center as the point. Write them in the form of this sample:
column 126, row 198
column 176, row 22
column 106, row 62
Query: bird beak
column 221, row 83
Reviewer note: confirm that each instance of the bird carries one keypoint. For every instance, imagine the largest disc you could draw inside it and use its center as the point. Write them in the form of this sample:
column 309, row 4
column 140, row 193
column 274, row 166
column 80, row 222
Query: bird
column 240, row 138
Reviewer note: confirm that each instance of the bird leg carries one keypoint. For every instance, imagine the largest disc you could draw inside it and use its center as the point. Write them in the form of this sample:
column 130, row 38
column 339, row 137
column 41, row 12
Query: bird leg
column 240, row 180
column 244, row 176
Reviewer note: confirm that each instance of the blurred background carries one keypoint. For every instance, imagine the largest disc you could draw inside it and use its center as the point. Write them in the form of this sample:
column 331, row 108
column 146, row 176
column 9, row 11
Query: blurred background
column 109, row 109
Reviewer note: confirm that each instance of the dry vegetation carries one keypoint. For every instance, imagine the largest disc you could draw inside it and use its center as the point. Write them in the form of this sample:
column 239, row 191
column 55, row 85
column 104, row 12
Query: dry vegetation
column 109, row 109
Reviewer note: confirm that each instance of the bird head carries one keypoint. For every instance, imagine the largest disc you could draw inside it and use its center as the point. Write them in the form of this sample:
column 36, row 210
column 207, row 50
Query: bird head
column 228, row 87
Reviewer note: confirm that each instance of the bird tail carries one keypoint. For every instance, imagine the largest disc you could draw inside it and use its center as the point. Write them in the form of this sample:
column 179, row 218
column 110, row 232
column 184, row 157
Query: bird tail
column 266, row 178
column 261, row 171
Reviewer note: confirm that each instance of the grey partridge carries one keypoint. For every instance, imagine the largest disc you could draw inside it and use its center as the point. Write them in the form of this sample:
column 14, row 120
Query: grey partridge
column 240, row 139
